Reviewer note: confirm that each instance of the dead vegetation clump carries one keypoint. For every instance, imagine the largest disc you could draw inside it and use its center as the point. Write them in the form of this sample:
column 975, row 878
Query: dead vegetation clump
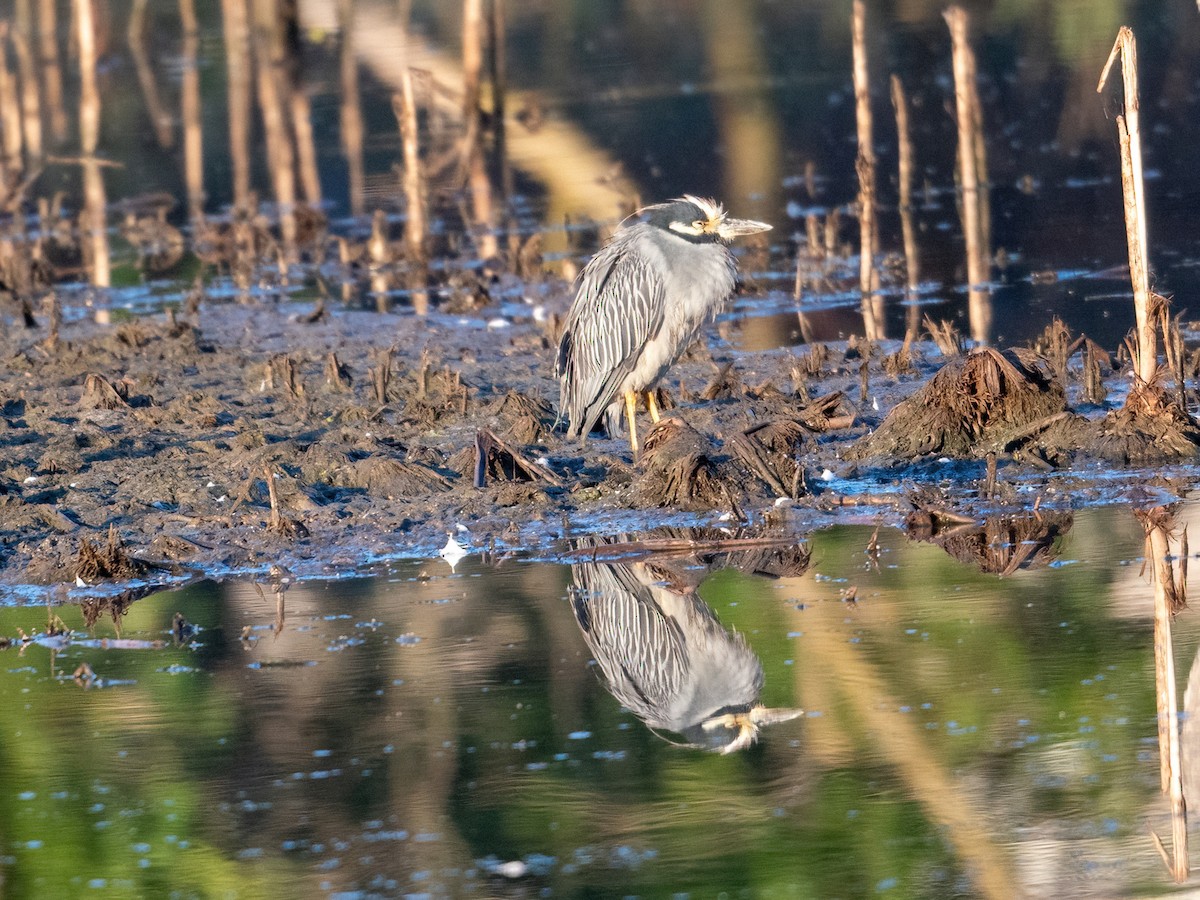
column 772, row 452
column 525, row 419
column 107, row 562
column 973, row 404
column 678, row 468
column 1148, row 429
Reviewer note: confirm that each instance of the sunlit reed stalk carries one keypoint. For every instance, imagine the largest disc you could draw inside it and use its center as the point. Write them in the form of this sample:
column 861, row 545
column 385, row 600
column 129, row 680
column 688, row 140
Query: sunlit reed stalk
column 912, row 262
column 10, row 110
column 404, row 105
column 956, row 19
column 50, row 68
column 499, row 42
column 479, row 184
column 1133, row 190
column 95, row 201
column 235, row 23
column 472, row 62
column 193, row 146
column 31, row 107
column 268, row 56
column 865, row 166
column 972, row 180
column 350, row 110
column 135, row 36
column 306, row 147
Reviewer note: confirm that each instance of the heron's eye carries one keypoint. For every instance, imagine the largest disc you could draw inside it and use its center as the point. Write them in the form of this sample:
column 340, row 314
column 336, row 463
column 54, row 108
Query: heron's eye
column 698, row 224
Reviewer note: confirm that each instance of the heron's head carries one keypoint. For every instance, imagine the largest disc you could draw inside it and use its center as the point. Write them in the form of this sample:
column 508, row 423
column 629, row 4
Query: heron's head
column 699, row 221
column 729, row 731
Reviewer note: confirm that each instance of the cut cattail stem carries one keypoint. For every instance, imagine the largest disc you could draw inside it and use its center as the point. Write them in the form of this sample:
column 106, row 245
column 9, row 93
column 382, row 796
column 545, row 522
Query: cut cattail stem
column 1133, row 189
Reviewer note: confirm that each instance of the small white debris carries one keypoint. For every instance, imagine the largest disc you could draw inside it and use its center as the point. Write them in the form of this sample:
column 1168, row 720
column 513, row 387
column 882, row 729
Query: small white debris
column 543, row 461
column 453, row 552
column 32, row 479
column 875, row 404
column 494, row 324
column 79, row 582
column 514, row 868
column 539, row 313
column 782, row 501
column 211, row 484
column 826, row 475
column 461, row 528
column 725, row 517
column 943, row 459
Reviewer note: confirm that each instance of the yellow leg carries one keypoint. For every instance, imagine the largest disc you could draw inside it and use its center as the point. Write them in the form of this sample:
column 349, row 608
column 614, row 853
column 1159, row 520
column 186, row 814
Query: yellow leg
column 630, row 409
column 652, row 405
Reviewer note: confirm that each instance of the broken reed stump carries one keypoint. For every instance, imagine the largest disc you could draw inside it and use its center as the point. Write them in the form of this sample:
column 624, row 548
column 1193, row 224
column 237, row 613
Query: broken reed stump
column 972, row 405
column 1134, row 193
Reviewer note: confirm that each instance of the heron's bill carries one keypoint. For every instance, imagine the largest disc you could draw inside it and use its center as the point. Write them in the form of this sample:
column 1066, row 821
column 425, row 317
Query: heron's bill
column 728, row 229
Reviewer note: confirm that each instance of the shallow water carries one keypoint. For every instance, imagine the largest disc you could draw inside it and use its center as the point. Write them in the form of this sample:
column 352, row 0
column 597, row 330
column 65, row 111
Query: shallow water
column 423, row 731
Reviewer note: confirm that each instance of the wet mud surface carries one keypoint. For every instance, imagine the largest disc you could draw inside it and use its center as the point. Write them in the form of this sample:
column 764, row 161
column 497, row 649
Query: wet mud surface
column 240, row 437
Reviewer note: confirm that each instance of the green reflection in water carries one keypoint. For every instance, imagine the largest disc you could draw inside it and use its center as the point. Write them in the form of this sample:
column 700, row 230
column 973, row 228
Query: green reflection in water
column 408, row 733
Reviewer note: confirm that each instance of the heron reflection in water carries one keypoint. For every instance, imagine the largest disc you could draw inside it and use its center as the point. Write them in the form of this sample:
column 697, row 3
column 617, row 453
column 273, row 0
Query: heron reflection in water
column 667, row 658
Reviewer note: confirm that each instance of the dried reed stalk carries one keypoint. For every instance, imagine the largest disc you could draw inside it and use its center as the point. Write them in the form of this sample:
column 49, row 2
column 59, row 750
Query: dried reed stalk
column 1133, row 190
column 47, row 19
column 404, row 105
column 271, row 91
column 236, row 30
column 10, row 108
column 865, row 162
column 135, row 36
column 31, row 108
column 95, row 201
column 350, row 110
column 912, row 263
column 193, row 142
column 969, row 139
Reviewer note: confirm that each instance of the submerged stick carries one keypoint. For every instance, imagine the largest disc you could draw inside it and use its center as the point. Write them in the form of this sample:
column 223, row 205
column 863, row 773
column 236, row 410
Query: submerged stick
column 1134, row 193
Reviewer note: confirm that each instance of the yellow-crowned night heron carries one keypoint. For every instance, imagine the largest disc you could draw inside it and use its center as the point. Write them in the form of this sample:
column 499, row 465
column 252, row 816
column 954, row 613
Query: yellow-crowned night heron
column 641, row 302
column 667, row 658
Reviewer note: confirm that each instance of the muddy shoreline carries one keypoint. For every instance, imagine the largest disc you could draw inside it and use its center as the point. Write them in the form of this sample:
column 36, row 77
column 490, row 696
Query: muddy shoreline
column 139, row 452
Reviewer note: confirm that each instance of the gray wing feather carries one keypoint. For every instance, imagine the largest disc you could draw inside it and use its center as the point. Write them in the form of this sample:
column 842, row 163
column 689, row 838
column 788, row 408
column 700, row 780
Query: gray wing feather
column 643, row 652
column 618, row 309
